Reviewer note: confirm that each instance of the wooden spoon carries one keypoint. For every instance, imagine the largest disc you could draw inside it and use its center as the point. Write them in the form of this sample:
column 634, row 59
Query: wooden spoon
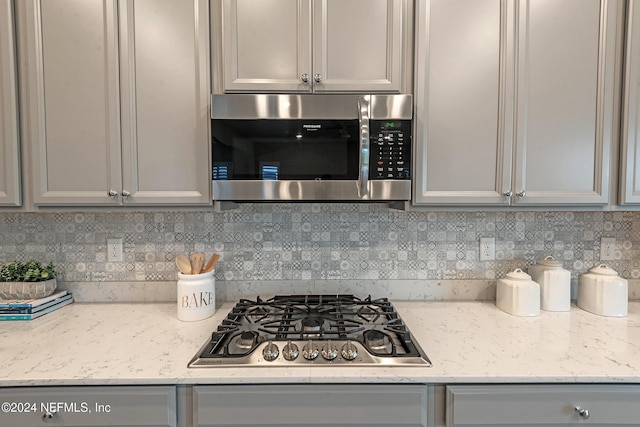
column 197, row 261
column 183, row 264
column 212, row 263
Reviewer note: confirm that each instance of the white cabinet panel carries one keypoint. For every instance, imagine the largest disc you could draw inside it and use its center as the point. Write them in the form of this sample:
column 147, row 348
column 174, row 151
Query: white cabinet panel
column 630, row 159
column 357, row 45
column 463, row 152
column 10, row 188
column 72, row 94
column 165, row 101
column 116, row 101
column 311, row 45
column 266, row 54
column 565, row 92
column 516, row 102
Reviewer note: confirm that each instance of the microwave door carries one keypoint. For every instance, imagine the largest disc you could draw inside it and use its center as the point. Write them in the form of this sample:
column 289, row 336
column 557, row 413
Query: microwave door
column 311, row 147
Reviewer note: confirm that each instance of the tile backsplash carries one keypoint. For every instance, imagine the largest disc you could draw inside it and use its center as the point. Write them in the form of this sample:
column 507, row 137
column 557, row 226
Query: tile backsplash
column 318, row 241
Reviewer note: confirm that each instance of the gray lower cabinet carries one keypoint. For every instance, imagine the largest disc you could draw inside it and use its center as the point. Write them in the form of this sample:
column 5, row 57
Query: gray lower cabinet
column 317, row 405
column 10, row 188
column 115, row 100
column 516, row 101
column 311, row 45
column 542, row 405
column 125, row 406
column 630, row 158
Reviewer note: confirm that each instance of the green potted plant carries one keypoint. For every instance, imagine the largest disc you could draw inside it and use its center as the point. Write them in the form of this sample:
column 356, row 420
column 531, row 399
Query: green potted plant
column 29, row 279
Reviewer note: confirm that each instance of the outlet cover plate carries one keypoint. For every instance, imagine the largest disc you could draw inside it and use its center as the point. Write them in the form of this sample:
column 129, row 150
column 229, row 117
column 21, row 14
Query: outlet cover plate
column 607, row 249
column 114, row 249
column 487, row 248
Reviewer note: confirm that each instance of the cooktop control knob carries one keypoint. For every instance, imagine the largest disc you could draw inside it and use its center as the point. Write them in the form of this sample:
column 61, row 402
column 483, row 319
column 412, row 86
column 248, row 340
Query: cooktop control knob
column 290, row 351
column 329, row 351
column 349, row 351
column 310, row 351
column 270, row 352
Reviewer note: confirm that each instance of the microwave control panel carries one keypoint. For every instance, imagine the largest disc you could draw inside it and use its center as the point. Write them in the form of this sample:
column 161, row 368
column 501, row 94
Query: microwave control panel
column 390, row 149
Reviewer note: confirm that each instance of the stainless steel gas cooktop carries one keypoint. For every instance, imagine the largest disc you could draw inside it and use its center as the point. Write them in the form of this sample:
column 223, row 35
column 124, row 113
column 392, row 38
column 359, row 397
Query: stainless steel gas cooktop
column 320, row 330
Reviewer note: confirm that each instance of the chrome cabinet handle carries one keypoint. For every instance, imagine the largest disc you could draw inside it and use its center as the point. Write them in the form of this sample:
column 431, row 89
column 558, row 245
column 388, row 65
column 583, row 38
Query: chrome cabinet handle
column 317, row 78
column 508, row 193
column 47, row 416
column 305, row 78
column 112, row 193
column 584, row 413
column 521, row 193
column 125, row 193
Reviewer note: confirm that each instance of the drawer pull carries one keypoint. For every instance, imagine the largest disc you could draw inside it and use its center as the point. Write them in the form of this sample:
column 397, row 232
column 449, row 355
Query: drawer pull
column 48, row 416
column 584, row 413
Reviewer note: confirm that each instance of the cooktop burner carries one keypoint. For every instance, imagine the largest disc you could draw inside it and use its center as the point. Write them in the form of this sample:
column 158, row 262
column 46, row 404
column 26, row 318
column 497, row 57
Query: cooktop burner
column 323, row 330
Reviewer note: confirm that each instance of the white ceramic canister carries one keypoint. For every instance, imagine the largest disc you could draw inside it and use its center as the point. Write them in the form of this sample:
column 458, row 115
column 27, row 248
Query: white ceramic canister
column 196, row 296
column 517, row 294
column 555, row 284
column 601, row 291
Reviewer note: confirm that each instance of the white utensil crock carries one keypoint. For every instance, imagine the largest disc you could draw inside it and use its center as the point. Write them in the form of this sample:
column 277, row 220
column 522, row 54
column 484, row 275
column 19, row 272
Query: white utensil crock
column 601, row 291
column 196, row 296
column 518, row 295
column 555, row 284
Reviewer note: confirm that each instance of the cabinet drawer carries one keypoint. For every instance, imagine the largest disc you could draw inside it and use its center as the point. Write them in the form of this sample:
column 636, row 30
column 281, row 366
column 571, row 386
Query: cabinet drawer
column 312, row 405
column 542, row 405
column 88, row 406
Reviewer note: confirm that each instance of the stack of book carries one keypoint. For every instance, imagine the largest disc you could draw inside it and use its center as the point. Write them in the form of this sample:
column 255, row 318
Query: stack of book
column 17, row 309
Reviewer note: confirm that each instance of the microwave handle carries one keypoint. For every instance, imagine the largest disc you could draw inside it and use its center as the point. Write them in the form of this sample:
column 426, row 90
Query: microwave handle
column 363, row 119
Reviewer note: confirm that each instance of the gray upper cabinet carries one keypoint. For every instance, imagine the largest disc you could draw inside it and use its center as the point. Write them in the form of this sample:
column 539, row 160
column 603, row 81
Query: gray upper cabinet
column 10, row 191
column 566, row 93
column 311, row 45
column 630, row 159
column 116, row 101
column 463, row 85
column 516, row 101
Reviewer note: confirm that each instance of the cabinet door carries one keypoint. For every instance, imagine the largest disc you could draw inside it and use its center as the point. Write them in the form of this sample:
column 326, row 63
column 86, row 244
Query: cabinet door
column 630, row 167
column 357, row 45
column 71, row 99
column 542, row 405
column 10, row 193
column 120, row 406
column 316, row 405
column 267, row 45
column 164, row 58
column 464, row 80
column 566, row 91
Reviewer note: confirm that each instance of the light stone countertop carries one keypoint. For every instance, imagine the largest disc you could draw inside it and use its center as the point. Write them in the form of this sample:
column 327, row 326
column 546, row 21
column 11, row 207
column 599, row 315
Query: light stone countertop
column 468, row 342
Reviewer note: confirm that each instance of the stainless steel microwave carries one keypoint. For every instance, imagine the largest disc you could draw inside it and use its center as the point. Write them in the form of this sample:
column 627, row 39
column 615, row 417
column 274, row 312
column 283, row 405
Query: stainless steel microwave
column 272, row 147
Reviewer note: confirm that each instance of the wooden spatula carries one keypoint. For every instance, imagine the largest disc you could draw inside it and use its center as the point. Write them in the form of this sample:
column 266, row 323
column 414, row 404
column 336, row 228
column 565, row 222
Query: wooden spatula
column 197, row 261
column 183, row 264
column 211, row 264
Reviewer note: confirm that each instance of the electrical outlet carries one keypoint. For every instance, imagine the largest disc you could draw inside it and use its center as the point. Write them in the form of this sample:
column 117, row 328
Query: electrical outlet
column 607, row 249
column 114, row 249
column 487, row 248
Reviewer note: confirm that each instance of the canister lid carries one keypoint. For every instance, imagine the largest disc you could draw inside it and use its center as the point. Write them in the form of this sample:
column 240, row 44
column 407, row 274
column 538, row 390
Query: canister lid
column 603, row 270
column 549, row 261
column 518, row 274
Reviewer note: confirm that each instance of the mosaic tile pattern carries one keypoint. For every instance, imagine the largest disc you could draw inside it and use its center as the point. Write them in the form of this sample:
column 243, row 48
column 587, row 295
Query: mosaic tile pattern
column 318, row 241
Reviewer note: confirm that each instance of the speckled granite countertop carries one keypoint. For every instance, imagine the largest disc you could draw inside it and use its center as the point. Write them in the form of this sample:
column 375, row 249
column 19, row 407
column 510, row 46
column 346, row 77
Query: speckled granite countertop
column 468, row 342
